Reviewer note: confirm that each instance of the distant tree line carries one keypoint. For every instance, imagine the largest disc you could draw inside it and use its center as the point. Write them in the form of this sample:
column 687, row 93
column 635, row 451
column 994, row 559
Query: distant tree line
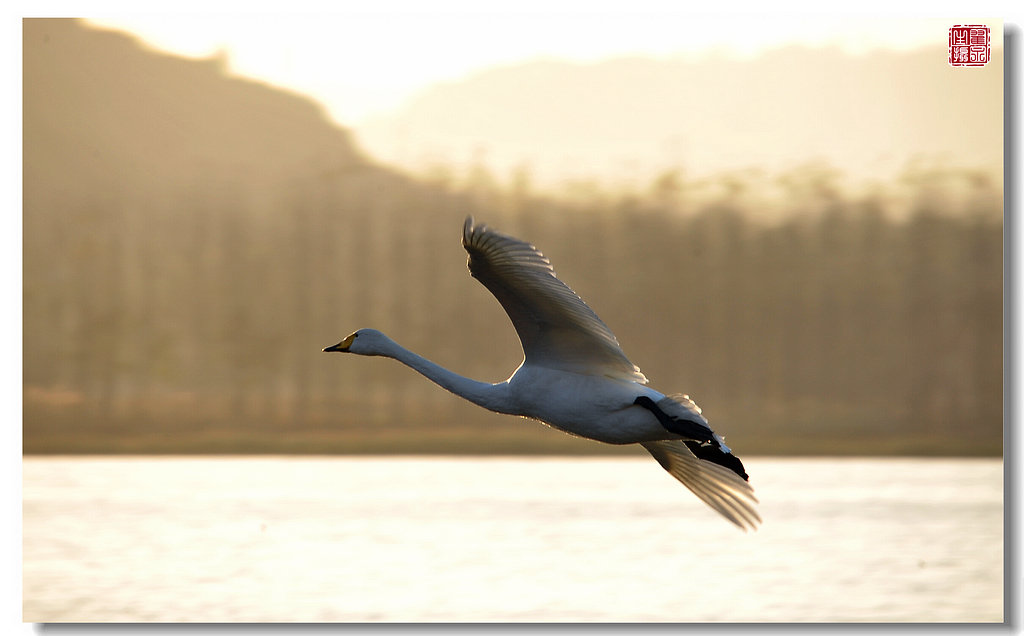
column 199, row 313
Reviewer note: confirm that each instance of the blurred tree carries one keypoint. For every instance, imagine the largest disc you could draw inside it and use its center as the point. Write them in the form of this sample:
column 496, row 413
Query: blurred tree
column 186, row 260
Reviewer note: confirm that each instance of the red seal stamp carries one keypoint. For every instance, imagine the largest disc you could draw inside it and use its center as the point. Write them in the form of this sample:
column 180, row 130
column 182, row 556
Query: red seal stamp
column 969, row 45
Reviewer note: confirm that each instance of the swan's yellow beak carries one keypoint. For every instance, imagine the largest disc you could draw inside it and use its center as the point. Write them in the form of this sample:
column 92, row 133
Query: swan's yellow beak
column 343, row 345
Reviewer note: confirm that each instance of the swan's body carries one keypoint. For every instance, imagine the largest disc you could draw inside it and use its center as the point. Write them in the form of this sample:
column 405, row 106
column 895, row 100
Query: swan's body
column 576, row 378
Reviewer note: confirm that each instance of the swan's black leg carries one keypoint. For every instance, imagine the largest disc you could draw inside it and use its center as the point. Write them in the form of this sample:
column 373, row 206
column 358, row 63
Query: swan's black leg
column 697, row 437
column 686, row 428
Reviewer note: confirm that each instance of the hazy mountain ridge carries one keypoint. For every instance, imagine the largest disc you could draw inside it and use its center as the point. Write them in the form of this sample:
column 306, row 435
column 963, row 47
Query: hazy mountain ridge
column 159, row 116
column 863, row 114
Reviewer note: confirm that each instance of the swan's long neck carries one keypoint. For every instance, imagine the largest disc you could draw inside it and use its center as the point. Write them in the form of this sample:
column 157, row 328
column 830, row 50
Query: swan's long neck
column 490, row 396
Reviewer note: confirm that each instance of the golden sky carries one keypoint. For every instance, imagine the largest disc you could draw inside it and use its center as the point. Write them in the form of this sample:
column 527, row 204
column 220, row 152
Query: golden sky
column 364, row 61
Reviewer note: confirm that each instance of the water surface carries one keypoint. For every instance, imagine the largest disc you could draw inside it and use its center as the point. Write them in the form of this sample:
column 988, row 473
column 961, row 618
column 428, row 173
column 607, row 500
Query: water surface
column 505, row 539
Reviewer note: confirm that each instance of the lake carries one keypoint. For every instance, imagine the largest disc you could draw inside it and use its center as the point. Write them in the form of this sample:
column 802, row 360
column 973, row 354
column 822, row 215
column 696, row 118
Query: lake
column 542, row 539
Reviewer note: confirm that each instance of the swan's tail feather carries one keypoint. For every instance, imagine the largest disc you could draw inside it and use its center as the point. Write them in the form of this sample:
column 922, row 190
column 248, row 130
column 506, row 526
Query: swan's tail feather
column 718, row 486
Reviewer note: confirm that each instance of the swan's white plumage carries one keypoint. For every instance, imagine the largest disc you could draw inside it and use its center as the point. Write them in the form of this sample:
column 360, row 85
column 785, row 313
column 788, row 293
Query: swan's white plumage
column 557, row 329
column 575, row 376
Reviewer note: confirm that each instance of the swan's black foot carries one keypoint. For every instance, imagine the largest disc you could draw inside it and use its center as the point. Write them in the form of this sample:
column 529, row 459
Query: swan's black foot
column 700, row 439
column 713, row 453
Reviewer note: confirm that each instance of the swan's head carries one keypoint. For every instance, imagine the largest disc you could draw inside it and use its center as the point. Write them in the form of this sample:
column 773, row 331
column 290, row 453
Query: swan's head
column 365, row 342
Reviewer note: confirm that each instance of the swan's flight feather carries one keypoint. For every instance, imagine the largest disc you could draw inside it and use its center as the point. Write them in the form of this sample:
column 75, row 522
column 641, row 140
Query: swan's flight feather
column 557, row 329
column 725, row 491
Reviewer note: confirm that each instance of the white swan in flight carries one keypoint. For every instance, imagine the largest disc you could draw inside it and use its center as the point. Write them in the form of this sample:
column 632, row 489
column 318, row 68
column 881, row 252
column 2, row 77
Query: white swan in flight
column 576, row 378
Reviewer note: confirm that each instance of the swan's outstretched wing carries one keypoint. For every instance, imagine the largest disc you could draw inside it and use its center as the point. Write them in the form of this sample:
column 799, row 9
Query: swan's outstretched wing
column 555, row 326
column 725, row 491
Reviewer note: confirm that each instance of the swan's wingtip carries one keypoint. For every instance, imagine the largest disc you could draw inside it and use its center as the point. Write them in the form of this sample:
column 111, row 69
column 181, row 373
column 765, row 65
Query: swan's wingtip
column 469, row 227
